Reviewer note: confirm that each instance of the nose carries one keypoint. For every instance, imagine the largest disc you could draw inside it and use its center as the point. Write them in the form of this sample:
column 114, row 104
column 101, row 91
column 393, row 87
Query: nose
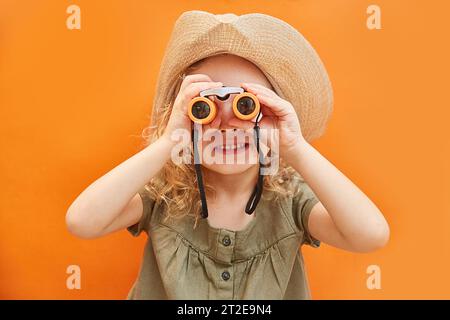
column 225, row 112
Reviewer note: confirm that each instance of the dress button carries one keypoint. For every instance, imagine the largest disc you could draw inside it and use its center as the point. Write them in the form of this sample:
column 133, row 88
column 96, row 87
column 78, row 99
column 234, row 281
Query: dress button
column 226, row 275
column 226, row 241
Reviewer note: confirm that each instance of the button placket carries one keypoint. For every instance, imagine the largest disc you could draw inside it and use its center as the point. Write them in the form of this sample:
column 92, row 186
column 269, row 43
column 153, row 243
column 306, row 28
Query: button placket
column 226, row 283
column 226, row 241
column 225, row 245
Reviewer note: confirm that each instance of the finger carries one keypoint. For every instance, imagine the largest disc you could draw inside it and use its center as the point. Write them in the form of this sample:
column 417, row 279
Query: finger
column 265, row 110
column 268, row 97
column 193, row 91
column 276, row 106
column 191, row 78
column 256, row 88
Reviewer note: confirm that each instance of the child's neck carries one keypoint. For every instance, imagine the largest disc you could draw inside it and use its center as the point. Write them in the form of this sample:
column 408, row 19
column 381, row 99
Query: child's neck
column 233, row 184
column 226, row 208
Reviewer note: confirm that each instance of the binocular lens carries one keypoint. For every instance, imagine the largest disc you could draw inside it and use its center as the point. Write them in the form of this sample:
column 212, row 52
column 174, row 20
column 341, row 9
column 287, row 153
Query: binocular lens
column 200, row 110
column 246, row 105
column 203, row 110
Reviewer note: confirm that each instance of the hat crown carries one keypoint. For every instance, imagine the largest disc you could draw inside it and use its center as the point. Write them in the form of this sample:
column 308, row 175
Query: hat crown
column 226, row 18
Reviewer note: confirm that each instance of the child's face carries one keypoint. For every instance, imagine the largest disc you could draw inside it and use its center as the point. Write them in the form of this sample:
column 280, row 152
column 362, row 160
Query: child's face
column 231, row 71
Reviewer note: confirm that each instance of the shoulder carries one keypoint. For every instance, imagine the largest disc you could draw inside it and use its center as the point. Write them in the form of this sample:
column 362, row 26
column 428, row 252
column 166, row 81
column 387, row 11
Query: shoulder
column 151, row 208
column 298, row 203
column 301, row 192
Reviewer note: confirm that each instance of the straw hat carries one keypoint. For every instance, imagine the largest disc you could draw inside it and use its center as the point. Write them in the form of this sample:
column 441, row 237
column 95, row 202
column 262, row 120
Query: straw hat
column 284, row 56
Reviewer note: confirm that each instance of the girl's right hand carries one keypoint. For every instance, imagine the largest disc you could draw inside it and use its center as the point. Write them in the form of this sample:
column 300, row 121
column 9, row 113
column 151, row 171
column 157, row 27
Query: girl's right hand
column 190, row 88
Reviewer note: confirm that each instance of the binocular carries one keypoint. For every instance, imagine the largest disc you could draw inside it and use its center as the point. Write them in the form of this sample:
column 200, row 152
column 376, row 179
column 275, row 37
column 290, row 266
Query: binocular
column 203, row 110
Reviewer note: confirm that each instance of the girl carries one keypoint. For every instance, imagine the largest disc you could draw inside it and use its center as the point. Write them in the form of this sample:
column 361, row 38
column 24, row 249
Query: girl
column 232, row 254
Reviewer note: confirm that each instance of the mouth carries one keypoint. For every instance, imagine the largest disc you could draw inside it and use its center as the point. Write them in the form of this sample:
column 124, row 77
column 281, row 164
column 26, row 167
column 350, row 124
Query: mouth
column 232, row 148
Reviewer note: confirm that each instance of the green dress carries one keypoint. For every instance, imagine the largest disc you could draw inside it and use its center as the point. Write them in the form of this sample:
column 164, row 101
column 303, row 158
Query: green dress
column 262, row 261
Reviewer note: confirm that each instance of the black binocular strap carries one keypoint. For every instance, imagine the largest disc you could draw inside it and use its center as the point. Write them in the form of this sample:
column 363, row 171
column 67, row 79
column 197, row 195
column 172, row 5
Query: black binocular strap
column 198, row 172
column 257, row 191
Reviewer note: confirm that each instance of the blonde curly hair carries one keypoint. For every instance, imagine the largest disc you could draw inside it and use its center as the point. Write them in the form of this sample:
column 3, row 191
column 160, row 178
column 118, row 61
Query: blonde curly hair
column 176, row 184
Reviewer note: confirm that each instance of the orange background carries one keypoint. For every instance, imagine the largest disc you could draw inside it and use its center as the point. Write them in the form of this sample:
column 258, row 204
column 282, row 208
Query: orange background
column 74, row 102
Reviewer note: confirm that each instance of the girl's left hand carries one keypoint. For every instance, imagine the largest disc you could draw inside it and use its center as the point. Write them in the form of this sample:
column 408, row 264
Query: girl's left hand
column 277, row 113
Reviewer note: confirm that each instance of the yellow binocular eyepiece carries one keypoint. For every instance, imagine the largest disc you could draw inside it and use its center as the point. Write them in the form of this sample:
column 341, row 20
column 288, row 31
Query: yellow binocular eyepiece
column 203, row 110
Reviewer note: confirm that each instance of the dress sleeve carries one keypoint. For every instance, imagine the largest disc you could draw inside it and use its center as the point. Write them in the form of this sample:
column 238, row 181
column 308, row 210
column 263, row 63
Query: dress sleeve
column 303, row 201
column 148, row 204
